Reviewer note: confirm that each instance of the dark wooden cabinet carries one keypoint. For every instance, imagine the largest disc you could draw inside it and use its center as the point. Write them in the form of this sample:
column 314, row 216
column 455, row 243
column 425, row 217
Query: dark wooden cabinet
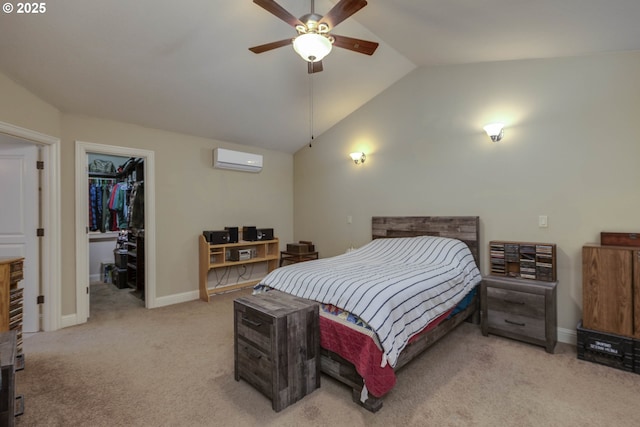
column 277, row 346
column 10, row 362
column 611, row 289
column 520, row 309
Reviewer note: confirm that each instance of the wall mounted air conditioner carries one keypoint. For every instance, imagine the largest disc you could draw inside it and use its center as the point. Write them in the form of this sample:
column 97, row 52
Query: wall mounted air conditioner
column 236, row 160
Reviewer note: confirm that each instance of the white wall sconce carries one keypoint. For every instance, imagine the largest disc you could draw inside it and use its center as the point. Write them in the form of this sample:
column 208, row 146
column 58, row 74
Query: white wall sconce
column 495, row 131
column 358, row 157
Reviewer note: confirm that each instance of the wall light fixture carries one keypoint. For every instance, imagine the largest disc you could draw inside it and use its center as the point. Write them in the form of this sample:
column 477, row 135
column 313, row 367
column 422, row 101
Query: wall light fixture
column 358, row 157
column 495, row 131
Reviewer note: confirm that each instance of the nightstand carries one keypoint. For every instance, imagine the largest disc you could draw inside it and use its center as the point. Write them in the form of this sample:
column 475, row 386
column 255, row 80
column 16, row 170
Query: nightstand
column 277, row 346
column 520, row 309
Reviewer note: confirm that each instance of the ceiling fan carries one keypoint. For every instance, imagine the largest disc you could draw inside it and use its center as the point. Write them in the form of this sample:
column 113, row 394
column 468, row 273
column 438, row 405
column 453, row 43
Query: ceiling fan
column 314, row 40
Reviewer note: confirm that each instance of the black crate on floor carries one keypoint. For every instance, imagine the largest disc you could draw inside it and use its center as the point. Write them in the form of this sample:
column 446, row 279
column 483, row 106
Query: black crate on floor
column 607, row 349
column 636, row 350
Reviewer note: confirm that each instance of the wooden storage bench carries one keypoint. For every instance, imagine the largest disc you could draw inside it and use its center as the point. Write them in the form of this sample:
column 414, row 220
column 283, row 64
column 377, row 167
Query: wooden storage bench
column 277, row 346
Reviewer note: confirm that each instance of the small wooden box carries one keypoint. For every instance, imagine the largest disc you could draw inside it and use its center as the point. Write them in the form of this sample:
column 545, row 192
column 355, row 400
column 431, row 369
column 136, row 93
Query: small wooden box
column 298, row 248
column 310, row 246
column 277, row 346
column 619, row 239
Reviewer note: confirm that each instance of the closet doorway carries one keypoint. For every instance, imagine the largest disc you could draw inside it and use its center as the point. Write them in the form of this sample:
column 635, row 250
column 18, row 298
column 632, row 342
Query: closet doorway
column 116, row 233
column 115, row 225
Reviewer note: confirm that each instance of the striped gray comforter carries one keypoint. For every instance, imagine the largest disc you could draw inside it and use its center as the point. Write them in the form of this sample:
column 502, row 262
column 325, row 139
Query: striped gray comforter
column 395, row 285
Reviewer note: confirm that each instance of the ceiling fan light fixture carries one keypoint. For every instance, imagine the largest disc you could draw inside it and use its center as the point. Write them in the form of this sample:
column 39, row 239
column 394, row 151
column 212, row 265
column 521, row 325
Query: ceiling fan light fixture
column 312, row 47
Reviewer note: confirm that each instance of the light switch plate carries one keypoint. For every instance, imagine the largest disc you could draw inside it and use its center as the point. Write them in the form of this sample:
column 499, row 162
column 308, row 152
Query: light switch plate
column 542, row 221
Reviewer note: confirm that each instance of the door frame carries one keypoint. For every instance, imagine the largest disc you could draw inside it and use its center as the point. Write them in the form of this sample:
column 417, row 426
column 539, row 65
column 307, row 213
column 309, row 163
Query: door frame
column 82, row 202
column 50, row 262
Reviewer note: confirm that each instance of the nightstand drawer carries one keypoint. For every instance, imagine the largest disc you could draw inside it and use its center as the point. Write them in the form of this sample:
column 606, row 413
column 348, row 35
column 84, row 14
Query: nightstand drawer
column 519, row 303
column 255, row 327
column 516, row 324
column 255, row 366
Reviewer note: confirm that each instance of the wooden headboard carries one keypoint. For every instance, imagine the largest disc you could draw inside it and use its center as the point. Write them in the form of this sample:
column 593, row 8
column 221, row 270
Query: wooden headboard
column 465, row 228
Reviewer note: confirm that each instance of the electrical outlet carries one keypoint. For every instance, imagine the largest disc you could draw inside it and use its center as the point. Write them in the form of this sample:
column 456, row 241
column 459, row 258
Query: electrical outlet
column 349, row 219
column 542, row 221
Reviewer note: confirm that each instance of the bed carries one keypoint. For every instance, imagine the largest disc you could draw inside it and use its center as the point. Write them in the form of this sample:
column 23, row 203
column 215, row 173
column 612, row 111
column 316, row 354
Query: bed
column 386, row 302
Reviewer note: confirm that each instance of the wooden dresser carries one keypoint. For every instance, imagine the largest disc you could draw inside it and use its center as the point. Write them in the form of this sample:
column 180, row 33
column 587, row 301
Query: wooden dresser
column 277, row 346
column 11, row 297
column 520, row 309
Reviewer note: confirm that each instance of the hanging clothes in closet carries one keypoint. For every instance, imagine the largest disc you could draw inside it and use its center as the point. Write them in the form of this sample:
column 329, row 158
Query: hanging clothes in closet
column 99, row 191
column 136, row 203
column 108, row 205
column 118, row 203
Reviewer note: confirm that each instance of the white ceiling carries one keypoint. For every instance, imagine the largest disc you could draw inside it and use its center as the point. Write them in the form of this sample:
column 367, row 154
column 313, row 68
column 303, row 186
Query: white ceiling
column 185, row 66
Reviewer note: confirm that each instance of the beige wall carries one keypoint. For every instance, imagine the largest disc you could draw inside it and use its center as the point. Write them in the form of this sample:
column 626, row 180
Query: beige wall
column 22, row 108
column 570, row 151
column 191, row 196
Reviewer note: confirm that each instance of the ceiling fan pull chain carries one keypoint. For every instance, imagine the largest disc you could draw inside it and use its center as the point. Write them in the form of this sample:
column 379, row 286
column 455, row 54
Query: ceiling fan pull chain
column 311, row 109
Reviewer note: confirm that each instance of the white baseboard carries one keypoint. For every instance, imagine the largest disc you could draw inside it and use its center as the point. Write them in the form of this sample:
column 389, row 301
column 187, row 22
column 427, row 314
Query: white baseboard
column 68, row 320
column 72, row 319
column 177, row 298
column 568, row 336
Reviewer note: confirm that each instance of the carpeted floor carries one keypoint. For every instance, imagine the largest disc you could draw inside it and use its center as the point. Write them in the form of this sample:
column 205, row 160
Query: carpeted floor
column 173, row 366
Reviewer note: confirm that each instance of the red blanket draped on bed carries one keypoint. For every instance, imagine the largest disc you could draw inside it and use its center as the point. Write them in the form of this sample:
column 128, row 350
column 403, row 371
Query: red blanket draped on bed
column 362, row 351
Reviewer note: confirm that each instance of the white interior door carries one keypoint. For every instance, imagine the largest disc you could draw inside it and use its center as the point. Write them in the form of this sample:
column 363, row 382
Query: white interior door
column 19, row 219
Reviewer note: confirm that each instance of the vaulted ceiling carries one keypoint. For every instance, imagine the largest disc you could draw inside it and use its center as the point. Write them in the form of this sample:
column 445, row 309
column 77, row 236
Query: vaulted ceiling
column 184, row 66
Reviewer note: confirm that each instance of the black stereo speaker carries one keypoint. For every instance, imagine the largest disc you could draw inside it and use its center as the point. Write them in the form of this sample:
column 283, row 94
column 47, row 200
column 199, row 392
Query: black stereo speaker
column 249, row 234
column 216, row 237
column 233, row 234
column 265, row 234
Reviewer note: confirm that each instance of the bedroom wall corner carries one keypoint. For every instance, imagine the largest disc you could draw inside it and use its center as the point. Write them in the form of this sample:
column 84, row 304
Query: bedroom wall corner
column 20, row 107
column 569, row 152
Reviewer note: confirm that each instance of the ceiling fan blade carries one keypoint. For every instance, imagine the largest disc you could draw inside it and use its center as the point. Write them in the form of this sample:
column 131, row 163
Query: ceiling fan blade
column 277, row 10
column 270, row 46
column 314, row 67
column 341, row 11
column 356, row 45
